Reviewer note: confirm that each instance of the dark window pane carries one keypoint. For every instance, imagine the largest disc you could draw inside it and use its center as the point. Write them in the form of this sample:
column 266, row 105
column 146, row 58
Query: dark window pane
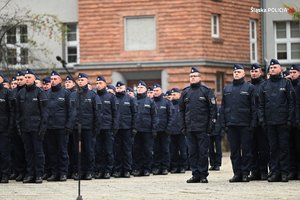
column 295, row 48
column 72, row 59
column 24, row 56
column 72, row 50
column 281, row 30
column 72, row 54
column 71, row 32
column 23, row 34
column 11, row 36
column 12, row 56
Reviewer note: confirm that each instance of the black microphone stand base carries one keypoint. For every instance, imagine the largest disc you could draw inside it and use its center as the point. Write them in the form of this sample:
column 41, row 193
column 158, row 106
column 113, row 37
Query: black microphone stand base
column 79, row 197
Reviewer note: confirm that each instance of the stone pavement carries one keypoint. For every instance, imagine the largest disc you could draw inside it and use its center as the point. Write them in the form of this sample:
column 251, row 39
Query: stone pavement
column 171, row 187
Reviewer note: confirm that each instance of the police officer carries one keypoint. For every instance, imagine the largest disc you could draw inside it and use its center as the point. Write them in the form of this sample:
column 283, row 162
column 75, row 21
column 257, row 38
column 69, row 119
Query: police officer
column 38, row 82
column 5, row 125
column 294, row 143
column 109, row 126
column 46, row 83
column 86, row 106
column 32, row 124
column 130, row 91
column 238, row 119
column 58, row 107
column 124, row 137
column 70, row 84
column 146, row 126
column 198, row 115
column 6, row 83
column 178, row 145
column 150, row 92
column 260, row 147
column 165, row 110
column 215, row 146
column 111, row 89
column 276, row 110
column 18, row 161
column 13, row 83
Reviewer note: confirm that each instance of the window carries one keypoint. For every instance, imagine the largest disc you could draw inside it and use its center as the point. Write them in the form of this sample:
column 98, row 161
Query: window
column 215, row 26
column 287, row 41
column 253, row 41
column 140, row 33
column 219, row 82
column 72, row 44
column 17, row 47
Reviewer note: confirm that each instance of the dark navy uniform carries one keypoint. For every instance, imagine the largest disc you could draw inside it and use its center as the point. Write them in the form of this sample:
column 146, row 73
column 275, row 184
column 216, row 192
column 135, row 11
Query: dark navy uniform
column 198, row 114
column 276, row 110
column 146, row 125
column 161, row 157
column 238, row 117
column 294, row 143
column 5, row 118
column 58, row 109
column 215, row 146
column 32, row 123
column 18, row 151
column 86, row 111
column 105, row 139
column 124, row 138
column 178, row 145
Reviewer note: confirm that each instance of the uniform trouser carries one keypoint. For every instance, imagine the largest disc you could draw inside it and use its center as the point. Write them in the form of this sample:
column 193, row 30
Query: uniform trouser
column 294, row 145
column 142, row 154
column 123, row 150
column 47, row 166
column 198, row 144
column 178, row 149
column 71, row 154
column 105, row 151
column 34, row 154
column 161, row 150
column 18, row 151
column 87, row 150
column 215, row 150
column 58, row 156
column 240, row 141
column 260, row 151
column 4, row 154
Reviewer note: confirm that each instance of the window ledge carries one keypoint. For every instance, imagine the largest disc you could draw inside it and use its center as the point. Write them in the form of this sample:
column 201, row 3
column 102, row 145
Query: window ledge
column 217, row 41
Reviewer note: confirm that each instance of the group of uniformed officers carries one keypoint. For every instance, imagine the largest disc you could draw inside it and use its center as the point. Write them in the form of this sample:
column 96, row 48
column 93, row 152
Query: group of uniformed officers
column 124, row 134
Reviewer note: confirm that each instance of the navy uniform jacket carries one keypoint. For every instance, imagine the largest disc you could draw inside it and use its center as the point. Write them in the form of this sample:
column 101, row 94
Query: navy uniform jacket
column 32, row 112
column 5, row 109
column 86, row 111
column 238, row 104
column 147, row 119
column 127, row 110
column 296, row 85
column 257, row 84
column 58, row 108
column 276, row 102
column 175, row 126
column 13, row 103
column 218, row 130
column 109, row 112
column 198, row 108
column 165, row 112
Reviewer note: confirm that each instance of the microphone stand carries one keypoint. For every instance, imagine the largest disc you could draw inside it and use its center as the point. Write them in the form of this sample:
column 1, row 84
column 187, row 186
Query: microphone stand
column 79, row 197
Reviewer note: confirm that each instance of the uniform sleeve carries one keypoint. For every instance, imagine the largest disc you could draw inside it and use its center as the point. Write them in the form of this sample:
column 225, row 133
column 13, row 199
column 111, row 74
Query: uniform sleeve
column 43, row 100
column 68, row 107
column 154, row 116
column 253, row 98
column 212, row 109
column 222, row 112
column 182, row 110
column 291, row 101
column 97, row 113
column 133, row 108
column 72, row 111
column 171, row 116
column 297, row 91
column 114, row 112
column 261, row 103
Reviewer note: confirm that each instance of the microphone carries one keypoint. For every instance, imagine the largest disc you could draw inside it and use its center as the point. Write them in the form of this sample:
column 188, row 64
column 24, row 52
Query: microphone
column 58, row 58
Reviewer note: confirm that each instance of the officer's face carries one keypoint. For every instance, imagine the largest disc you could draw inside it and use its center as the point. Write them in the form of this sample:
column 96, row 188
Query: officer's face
column 21, row 80
column 150, row 94
column 121, row 88
column 175, row 95
column 55, row 80
column 82, row 82
column 238, row 74
column 195, row 78
column 46, row 86
column 169, row 97
column 13, row 84
column 100, row 85
column 255, row 73
column 38, row 83
column 157, row 92
column 275, row 70
column 1, row 79
column 141, row 89
column 30, row 79
column 130, row 94
column 294, row 74
column 69, row 84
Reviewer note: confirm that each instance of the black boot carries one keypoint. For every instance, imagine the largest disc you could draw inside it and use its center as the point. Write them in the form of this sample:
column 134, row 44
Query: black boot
column 235, row 179
column 4, row 179
column 20, row 178
column 274, row 178
column 29, row 179
column 193, row 179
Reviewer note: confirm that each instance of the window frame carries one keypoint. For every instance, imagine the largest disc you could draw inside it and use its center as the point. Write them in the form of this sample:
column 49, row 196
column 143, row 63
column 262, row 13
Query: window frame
column 253, row 40
column 72, row 44
column 288, row 40
column 217, row 34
